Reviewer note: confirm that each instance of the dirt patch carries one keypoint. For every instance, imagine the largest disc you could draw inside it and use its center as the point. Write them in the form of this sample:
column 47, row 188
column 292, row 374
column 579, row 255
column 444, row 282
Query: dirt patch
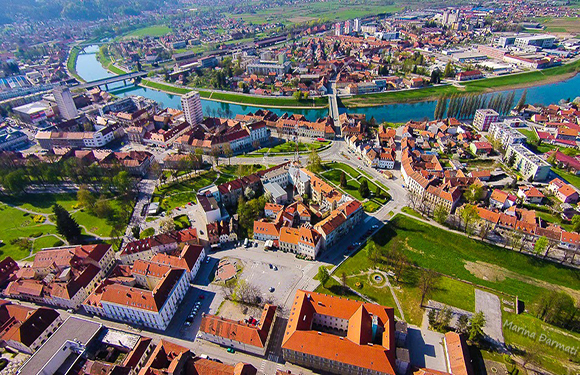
column 486, row 271
column 236, row 311
column 410, row 248
column 494, row 273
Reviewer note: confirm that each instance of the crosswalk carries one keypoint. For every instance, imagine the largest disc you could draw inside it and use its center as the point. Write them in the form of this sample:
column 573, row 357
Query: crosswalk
column 264, row 364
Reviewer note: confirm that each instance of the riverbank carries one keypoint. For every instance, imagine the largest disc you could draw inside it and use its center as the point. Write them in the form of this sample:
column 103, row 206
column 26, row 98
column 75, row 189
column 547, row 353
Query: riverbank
column 513, row 81
column 240, row 99
column 71, row 63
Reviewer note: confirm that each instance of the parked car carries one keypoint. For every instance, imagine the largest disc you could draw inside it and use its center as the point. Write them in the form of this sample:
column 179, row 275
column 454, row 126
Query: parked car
column 271, row 289
column 231, row 350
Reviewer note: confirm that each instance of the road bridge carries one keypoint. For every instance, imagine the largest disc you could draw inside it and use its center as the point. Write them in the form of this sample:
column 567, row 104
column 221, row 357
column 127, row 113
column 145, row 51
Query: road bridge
column 109, row 80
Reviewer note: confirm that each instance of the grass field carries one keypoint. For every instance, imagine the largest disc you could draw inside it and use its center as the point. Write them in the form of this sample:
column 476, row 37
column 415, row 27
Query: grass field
column 478, row 262
column 72, row 62
column 183, row 192
column 158, row 30
column 560, row 25
column 290, row 147
column 15, row 224
column 538, row 333
column 24, row 226
column 332, row 173
column 571, row 178
column 333, row 10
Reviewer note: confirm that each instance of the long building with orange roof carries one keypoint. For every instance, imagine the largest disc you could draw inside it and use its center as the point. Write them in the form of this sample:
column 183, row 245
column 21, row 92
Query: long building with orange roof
column 340, row 335
column 242, row 335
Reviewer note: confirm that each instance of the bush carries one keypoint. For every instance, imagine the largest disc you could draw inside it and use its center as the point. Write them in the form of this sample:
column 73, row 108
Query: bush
column 39, row 219
column 57, row 243
column 36, row 234
column 147, row 233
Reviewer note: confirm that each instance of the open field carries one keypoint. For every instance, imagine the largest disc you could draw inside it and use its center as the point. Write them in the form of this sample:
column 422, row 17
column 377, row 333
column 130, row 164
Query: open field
column 333, row 10
column 290, row 147
column 536, row 336
column 560, row 25
column 571, row 178
column 15, row 224
column 72, row 62
column 455, row 255
column 41, row 203
column 158, row 30
column 182, row 193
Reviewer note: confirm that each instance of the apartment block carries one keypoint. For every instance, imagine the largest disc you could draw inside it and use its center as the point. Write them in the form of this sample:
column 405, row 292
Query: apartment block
column 530, row 165
column 484, row 117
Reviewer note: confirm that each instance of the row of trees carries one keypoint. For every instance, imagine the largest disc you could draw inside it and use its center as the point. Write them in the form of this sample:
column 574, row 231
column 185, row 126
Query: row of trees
column 558, row 308
column 15, row 177
column 440, row 320
column 463, row 107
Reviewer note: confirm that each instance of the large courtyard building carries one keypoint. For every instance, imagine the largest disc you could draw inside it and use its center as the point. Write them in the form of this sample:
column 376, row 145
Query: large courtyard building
column 340, row 335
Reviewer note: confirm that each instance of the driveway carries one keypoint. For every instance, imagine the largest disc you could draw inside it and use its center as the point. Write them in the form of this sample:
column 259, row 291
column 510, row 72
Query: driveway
column 490, row 305
column 426, row 348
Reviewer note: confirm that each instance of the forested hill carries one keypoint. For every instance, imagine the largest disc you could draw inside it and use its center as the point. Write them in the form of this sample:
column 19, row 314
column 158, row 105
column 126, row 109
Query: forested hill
column 11, row 10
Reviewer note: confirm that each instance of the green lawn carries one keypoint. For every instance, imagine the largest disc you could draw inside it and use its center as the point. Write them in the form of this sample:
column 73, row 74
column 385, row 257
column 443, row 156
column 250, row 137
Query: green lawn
column 41, row 202
column 181, row 193
column 47, row 241
column 158, row 30
column 551, row 218
column 475, row 261
column 332, row 173
column 412, row 212
column 571, row 178
column 530, row 135
column 16, row 224
column 181, row 222
column 549, row 357
column 147, row 233
column 72, row 62
column 290, row 147
column 92, row 223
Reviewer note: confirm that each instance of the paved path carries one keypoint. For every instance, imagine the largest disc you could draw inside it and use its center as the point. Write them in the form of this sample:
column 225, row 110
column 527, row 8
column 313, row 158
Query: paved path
column 388, row 282
column 490, row 305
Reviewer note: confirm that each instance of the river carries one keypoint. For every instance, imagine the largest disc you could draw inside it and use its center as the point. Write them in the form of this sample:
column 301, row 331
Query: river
column 89, row 68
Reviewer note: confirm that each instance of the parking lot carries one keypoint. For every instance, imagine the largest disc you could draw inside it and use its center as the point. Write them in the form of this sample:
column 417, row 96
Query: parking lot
column 271, row 275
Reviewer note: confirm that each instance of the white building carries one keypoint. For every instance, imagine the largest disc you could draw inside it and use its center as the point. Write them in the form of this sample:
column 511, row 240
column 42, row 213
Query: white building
column 542, row 41
column 527, row 163
column 505, row 134
column 151, row 308
column 279, row 195
column 64, row 101
column 191, row 104
column 484, row 117
column 356, row 25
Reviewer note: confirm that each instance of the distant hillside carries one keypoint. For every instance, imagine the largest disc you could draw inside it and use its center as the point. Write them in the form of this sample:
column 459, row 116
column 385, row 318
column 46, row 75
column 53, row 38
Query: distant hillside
column 13, row 10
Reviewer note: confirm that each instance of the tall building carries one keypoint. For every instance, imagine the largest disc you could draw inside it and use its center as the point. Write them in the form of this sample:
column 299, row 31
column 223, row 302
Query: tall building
column 347, row 27
column 191, row 104
column 64, row 101
column 337, row 29
column 484, row 118
column 356, row 25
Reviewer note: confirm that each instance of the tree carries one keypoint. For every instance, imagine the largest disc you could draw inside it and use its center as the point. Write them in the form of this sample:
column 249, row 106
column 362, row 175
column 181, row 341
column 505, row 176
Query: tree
column 342, row 179
column 435, row 76
column 215, row 154
column 136, row 231
column 297, row 95
column 124, row 184
column 522, row 101
column 343, row 281
column 323, row 275
column 102, row 208
column 228, row 153
column 462, row 325
column 476, row 324
column 363, row 189
column 469, row 214
column 474, row 193
column 440, row 214
column 484, row 230
column 576, row 223
column 540, row 245
column 15, row 181
column 249, row 193
column 66, row 225
column 448, row 71
column 552, row 158
column 314, row 162
column 427, row 283
column 166, row 225
column 86, row 198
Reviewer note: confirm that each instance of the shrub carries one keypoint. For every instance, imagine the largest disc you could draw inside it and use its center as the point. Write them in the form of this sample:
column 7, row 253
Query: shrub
column 39, row 219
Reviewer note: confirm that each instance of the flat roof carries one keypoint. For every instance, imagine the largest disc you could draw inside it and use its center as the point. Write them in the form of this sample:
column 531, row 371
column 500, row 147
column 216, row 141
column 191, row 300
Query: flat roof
column 31, row 108
column 73, row 328
column 275, row 189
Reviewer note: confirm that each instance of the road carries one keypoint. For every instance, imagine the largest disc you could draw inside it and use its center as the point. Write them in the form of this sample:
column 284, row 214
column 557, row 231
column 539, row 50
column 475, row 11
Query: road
column 333, row 103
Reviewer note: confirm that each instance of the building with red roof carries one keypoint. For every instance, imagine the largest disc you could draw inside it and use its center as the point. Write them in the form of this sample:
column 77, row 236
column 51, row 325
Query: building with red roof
column 340, row 335
column 248, row 336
